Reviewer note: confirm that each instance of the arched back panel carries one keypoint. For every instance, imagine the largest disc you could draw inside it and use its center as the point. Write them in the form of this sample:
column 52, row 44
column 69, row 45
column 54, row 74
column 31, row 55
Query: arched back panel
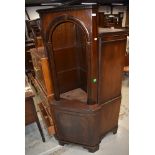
column 68, row 52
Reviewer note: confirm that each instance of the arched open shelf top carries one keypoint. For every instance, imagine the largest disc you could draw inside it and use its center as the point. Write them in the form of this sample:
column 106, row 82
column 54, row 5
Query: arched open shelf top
column 63, row 19
column 68, row 42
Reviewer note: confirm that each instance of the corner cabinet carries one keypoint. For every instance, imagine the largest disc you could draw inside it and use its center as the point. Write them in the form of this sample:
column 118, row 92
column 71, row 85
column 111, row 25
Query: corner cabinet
column 90, row 60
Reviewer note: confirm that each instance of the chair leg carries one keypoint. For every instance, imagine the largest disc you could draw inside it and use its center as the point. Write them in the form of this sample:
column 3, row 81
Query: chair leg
column 40, row 129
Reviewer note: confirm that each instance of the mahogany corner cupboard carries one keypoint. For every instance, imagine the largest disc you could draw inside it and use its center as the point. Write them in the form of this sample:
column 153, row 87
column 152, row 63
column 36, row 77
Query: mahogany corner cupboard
column 88, row 58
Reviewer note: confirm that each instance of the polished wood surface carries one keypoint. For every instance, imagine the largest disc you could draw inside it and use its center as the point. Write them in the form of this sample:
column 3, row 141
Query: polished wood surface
column 111, row 63
column 85, row 124
column 82, row 18
column 47, row 76
column 69, row 50
column 82, row 57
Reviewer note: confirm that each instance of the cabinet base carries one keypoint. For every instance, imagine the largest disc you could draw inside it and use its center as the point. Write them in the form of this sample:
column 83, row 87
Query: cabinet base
column 80, row 125
column 91, row 149
column 115, row 130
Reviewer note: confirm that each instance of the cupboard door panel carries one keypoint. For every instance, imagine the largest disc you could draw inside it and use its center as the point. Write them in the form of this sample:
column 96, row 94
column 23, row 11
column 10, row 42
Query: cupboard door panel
column 111, row 67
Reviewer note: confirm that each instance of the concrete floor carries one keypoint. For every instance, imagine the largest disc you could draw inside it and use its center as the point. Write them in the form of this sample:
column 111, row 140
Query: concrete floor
column 117, row 144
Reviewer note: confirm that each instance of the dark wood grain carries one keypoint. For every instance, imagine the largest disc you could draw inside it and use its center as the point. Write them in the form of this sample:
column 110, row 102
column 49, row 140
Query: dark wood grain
column 85, row 124
column 112, row 51
column 75, row 16
column 81, row 57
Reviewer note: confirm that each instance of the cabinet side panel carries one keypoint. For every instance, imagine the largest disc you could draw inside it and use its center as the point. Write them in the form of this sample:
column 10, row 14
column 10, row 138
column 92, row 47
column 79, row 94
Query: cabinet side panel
column 111, row 67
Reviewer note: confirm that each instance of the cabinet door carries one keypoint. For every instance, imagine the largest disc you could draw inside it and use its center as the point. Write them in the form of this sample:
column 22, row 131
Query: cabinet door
column 111, row 56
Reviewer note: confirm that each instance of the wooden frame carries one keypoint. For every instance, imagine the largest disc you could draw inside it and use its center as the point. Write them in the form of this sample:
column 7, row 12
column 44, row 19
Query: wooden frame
column 57, row 21
column 75, row 121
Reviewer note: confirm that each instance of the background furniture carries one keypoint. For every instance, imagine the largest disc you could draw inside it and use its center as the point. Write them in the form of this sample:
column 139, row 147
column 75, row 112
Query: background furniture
column 39, row 73
column 28, row 60
column 110, row 20
column 29, row 43
column 42, row 83
column 64, row 2
column 82, row 56
column 30, row 111
column 34, row 32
